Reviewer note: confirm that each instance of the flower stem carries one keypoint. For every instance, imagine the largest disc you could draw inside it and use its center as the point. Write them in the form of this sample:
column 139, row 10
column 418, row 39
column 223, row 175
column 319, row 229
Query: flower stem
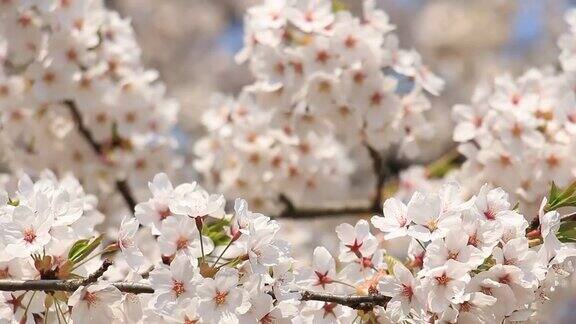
column 222, row 253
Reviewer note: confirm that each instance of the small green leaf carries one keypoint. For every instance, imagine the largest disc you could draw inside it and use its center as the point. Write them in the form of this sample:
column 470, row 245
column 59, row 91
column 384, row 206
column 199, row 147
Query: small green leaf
column 390, row 263
column 338, row 5
column 554, row 192
column 486, row 265
column 83, row 248
column 558, row 198
column 215, row 231
column 76, row 249
column 567, row 232
column 443, row 165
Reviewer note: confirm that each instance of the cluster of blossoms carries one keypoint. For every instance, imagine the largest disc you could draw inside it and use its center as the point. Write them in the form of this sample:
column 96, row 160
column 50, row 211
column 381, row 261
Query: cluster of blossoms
column 239, row 271
column 470, row 261
column 519, row 133
column 243, row 156
column 202, row 264
column 326, row 82
column 40, row 222
column 74, row 95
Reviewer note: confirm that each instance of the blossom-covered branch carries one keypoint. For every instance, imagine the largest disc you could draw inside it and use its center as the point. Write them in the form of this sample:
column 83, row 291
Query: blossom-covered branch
column 352, row 301
column 381, row 169
column 76, row 97
column 122, row 186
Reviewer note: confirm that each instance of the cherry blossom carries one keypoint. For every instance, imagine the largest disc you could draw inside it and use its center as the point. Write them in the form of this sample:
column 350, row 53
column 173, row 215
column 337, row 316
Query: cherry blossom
column 94, row 303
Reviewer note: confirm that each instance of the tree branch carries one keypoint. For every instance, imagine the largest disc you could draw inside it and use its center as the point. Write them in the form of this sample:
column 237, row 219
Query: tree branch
column 96, row 275
column 535, row 224
column 121, row 185
column 350, row 208
column 381, row 168
column 68, row 285
column 353, row 301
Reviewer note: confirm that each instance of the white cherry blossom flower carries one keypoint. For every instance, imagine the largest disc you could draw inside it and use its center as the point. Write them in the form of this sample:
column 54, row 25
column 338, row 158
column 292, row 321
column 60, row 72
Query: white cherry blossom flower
column 94, row 303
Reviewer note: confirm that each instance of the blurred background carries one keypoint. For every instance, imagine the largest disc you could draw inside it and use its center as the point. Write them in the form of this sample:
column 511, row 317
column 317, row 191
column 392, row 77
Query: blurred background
column 192, row 42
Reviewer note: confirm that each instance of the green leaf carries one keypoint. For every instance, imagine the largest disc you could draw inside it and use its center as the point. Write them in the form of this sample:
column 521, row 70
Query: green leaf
column 554, row 192
column 446, row 163
column 486, row 265
column 215, row 231
column 77, row 248
column 338, row 5
column 558, row 198
column 567, row 232
column 390, row 263
column 83, row 248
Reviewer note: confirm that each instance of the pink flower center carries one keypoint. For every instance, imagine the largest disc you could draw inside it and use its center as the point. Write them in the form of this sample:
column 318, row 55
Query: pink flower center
column 505, row 279
column 220, row 297
column 490, row 214
column 465, row 307
column 350, row 41
column 164, row 213
column 29, row 235
column 376, row 99
column 181, row 243
column 188, row 320
column 473, row 240
column 486, row 290
column 4, row 273
column 515, row 99
column 178, row 287
column 407, row 291
column 402, row 221
column 90, row 298
column 355, row 247
column 443, row 280
column 322, row 57
column 329, row 309
column 323, row 279
column 366, row 262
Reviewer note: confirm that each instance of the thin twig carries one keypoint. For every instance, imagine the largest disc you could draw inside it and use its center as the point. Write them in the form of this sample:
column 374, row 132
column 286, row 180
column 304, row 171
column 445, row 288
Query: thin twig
column 379, row 170
column 121, row 185
column 569, row 217
column 96, row 275
column 382, row 170
column 535, row 224
column 350, row 208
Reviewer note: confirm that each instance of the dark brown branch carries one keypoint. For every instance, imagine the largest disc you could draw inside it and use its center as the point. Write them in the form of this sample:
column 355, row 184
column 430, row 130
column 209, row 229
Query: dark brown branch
column 382, row 169
column 73, row 284
column 353, row 301
column 68, row 285
column 96, row 275
column 121, row 185
column 350, row 208
column 379, row 170
column 126, row 193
